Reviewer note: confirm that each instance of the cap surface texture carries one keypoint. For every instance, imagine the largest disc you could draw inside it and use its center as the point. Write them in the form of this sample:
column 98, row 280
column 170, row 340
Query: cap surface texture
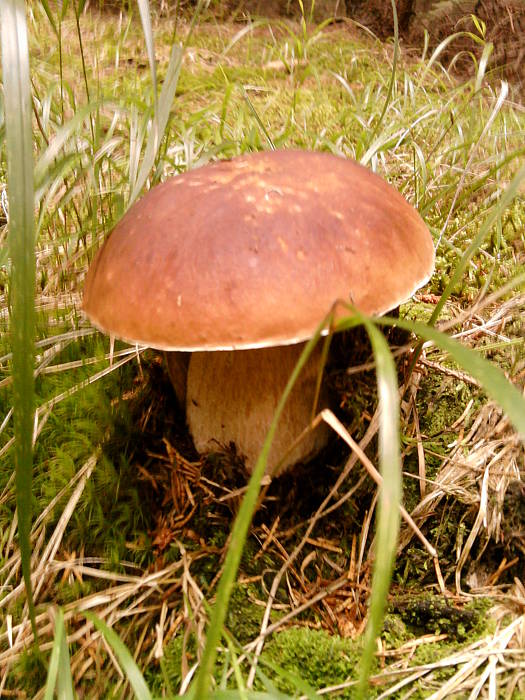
column 254, row 251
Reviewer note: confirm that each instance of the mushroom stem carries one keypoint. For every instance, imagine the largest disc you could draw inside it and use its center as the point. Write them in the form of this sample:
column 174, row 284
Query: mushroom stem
column 232, row 396
column 178, row 370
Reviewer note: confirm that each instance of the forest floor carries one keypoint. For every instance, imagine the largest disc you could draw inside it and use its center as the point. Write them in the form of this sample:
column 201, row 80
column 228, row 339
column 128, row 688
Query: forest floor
column 128, row 521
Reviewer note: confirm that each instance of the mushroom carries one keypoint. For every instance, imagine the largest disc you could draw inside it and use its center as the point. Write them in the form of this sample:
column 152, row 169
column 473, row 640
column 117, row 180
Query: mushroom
column 238, row 263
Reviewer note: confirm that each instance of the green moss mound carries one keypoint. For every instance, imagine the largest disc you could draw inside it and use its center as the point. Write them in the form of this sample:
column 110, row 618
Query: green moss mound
column 313, row 656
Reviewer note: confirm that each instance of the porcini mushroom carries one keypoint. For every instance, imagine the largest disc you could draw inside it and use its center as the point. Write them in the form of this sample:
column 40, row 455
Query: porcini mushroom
column 238, row 262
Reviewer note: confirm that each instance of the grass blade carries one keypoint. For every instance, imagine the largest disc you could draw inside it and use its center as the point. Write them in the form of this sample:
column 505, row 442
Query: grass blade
column 52, row 669
column 389, row 495
column 59, row 670
column 392, row 77
column 129, row 667
column 247, row 695
column 440, row 48
column 65, row 681
column 18, row 113
column 258, row 118
column 496, row 385
column 160, row 121
column 49, row 13
column 145, row 18
column 51, row 153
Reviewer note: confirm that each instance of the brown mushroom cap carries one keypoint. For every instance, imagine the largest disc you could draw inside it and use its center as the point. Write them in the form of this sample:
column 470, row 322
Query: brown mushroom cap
column 253, row 252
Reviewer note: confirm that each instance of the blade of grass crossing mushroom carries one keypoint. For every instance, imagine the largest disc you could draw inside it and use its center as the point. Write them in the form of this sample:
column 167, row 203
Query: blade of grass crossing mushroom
column 239, row 533
column 389, row 495
column 19, row 141
column 127, row 662
column 59, row 669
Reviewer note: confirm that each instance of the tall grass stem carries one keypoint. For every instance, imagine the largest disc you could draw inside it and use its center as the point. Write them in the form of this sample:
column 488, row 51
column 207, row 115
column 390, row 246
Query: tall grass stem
column 19, row 142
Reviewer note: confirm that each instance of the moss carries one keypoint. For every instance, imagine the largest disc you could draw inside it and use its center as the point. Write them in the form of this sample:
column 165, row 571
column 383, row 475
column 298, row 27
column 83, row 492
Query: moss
column 74, row 431
column 320, row 659
column 395, row 632
column 244, row 617
column 431, row 614
column 504, row 245
column 167, row 675
column 443, row 400
column 416, row 311
column 69, row 592
column 314, row 656
column 27, row 676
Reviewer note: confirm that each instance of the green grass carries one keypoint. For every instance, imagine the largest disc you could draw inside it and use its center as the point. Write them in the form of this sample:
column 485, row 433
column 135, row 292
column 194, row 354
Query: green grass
column 451, row 147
